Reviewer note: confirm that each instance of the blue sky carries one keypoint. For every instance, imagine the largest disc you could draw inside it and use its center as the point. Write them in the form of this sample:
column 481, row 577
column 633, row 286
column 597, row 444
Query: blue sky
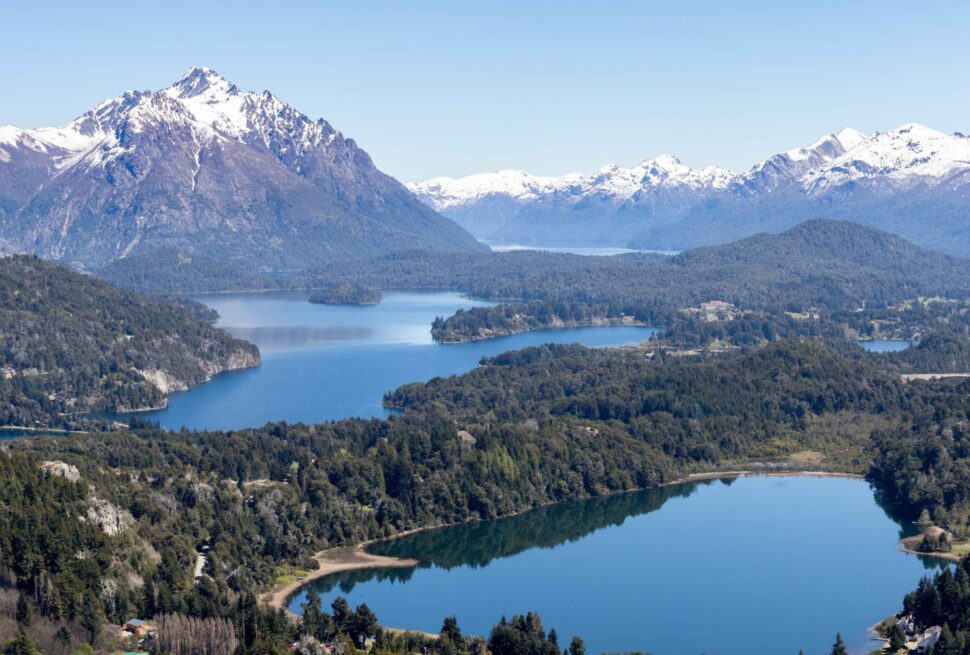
column 453, row 88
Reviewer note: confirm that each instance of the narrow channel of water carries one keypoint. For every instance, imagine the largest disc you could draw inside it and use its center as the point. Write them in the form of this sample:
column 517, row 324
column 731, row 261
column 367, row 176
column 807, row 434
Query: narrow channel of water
column 325, row 362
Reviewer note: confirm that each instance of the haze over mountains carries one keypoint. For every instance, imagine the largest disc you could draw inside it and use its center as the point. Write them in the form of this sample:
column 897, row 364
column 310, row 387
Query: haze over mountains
column 205, row 168
column 913, row 181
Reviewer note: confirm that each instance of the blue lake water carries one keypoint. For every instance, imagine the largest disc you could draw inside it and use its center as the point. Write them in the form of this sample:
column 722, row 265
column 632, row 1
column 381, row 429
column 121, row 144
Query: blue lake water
column 885, row 345
column 755, row 565
column 589, row 251
column 326, row 362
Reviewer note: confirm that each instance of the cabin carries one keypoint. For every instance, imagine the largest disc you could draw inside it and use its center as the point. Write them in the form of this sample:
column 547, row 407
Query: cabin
column 138, row 627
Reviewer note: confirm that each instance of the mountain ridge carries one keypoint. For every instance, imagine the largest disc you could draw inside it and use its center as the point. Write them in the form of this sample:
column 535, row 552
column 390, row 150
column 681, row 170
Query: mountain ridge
column 206, row 168
column 911, row 180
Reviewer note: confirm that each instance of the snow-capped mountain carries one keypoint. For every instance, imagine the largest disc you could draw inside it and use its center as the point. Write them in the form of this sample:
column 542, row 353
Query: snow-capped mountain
column 911, row 180
column 204, row 167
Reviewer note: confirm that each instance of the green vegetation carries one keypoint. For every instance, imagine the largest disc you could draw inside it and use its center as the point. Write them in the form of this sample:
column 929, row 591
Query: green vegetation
column 548, row 424
column 346, row 293
column 71, row 344
column 820, row 263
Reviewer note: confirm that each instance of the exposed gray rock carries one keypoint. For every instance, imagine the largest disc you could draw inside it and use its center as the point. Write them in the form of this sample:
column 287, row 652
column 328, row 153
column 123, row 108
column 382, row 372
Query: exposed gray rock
column 205, row 168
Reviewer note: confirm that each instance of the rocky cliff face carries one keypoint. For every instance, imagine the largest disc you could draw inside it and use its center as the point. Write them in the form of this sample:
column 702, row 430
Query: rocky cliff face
column 206, row 168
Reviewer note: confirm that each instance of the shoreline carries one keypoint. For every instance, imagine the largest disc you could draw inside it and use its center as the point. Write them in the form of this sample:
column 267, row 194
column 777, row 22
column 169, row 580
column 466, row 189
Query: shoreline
column 909, row 545
column 352, row 558
column 511, row 332
column 338, row 560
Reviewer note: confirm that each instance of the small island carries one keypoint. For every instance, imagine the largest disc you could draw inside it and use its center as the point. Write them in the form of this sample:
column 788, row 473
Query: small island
column 346, row 293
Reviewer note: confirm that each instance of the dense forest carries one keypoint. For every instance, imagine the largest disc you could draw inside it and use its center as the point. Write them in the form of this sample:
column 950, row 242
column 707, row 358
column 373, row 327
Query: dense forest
column 104, row 526
column 820, row 263
column 346, row 293
column 527, row 428
column 70, row 343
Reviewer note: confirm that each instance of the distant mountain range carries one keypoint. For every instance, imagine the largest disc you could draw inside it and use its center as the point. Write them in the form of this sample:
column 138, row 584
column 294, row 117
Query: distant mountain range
column 203, row 167
column 912, row 181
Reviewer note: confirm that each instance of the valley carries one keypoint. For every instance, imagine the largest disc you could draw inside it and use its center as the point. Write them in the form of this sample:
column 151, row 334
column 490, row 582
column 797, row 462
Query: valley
column 265, row 392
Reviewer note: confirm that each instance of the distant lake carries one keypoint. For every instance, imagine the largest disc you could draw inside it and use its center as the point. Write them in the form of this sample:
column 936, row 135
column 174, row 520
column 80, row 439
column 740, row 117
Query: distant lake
column 328, row 362
column 752, row 565
column 600, row 251
column 886, row 345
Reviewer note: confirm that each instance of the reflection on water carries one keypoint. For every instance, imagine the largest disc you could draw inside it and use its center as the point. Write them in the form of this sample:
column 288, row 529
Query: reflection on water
column 327, row 362
column 299, row 336
column 885, row 345
column 733, row 567
column 588, row 251
column 477, row 544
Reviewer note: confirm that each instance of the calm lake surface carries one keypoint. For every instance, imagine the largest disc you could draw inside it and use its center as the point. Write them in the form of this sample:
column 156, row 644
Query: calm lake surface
column 886, row 346
column 327, row 362
column 590, row 251
column 754, row 565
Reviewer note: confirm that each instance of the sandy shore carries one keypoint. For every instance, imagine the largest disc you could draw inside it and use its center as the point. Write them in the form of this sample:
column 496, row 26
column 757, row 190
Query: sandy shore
column 336, row 560
column 351, row 558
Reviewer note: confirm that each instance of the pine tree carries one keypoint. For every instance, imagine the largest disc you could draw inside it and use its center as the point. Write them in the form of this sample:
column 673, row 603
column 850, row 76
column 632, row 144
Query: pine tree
column 24, row 612
column 91, row 617
column 450, row 629
column 341, row 613
column 576, row 647
column 838, row 648
column 897, row 638
column 947, row 643
column 63, row 637
column 22, row 644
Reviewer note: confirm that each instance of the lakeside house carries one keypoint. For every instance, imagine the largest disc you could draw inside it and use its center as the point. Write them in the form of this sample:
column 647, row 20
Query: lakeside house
column 714, row 310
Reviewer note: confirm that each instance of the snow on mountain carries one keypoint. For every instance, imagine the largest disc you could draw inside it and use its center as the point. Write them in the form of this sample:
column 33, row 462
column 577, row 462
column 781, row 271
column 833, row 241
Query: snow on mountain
column 665, row 171
column 203, row 166
column 662, row 203
column 444, row 192
column 909, row 154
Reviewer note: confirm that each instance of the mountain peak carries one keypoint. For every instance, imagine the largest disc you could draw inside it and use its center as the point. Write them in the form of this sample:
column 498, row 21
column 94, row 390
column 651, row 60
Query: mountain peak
column 200, row 80
column 850, row 137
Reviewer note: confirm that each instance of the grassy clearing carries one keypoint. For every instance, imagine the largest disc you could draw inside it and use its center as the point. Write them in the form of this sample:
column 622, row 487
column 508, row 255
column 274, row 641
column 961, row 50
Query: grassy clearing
column 289, row 574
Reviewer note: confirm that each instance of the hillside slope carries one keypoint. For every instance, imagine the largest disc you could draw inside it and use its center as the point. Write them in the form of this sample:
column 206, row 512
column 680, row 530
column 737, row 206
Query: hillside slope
column 206, row 168
column 70, row 344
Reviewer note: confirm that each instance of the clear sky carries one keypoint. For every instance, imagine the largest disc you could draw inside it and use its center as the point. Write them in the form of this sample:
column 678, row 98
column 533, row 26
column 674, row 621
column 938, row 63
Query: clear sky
column 452, row 88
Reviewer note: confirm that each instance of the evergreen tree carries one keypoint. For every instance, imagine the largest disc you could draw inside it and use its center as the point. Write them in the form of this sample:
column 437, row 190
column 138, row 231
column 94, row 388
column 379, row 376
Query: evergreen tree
column 897, row 638
column 362, row 625
column 24, row 612
column 341, row 614
column 576, row 647
column 22, row 644
column 947, row 643
column 63, row 637
column 91, row 619
column 450, row 629
column 315, row 622
column 839, row 648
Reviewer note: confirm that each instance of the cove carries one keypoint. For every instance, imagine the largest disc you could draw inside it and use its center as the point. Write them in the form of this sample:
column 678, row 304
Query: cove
column 326, row 362
column 759, row 564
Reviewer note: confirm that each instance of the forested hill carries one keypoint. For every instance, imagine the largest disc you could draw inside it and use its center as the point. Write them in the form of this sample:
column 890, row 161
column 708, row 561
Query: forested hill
column 822, row 263
column 825, row 261
column 70, row 343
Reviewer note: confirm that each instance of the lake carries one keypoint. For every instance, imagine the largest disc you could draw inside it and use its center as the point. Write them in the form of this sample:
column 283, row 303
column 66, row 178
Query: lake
column 885, row 345
column 752, row 565
column 328, row 362
column 589, row 251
